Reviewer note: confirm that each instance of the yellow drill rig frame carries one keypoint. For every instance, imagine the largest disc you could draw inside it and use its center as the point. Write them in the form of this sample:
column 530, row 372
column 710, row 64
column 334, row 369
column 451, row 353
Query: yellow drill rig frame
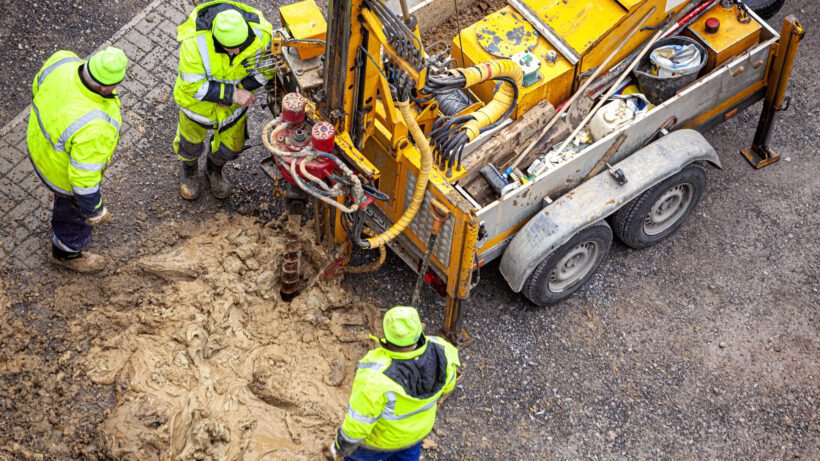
column 397, row 149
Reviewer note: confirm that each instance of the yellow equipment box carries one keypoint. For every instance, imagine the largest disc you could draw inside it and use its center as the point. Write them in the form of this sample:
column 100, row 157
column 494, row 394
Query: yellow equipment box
column 505, row 34
column 304, row 21
column 590, row 30
column 731, row 38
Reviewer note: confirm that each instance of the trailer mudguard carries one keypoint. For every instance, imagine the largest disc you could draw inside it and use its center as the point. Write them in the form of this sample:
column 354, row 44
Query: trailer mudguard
column 598, row 198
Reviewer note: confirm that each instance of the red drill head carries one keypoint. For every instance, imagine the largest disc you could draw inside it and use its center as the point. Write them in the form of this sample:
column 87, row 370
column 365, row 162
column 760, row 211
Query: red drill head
column 322, row 137
column 293, row 108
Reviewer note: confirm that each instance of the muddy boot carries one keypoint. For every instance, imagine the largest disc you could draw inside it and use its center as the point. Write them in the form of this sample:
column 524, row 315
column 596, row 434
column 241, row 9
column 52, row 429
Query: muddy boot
column 82, row 262
column 189, row 181
column 220, row 186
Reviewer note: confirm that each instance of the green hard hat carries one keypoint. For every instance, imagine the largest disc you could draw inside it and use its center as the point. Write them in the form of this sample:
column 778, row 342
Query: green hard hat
column 230, row 28
column 108, row 66
column 402, row 326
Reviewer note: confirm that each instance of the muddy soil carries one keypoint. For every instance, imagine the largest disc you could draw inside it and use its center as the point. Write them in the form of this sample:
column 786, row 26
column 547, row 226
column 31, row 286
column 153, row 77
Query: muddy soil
column 190, row 351
column 702, row 347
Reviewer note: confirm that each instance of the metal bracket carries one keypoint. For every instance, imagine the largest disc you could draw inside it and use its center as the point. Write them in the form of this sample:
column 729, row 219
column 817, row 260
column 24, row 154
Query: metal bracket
column 618, row 174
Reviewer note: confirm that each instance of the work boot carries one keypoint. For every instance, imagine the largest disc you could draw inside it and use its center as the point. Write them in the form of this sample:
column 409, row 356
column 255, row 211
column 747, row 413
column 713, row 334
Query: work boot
column 189, row 181
column 82, row 262
column 220, row 186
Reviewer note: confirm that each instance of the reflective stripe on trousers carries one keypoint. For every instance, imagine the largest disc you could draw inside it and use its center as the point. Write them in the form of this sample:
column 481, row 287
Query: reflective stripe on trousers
column 71, row 232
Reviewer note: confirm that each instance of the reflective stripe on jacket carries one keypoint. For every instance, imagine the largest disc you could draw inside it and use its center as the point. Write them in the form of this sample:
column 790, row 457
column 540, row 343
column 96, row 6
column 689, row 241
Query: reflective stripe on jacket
column 382, row 413
column 72, row 131
column 208, row 76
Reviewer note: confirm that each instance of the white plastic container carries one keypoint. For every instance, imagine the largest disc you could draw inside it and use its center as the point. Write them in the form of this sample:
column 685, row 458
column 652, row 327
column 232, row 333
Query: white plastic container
column 608, row 118
column 622, row 109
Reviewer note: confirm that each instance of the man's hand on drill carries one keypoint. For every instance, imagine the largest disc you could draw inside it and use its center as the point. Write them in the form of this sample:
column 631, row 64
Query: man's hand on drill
column 243, row 97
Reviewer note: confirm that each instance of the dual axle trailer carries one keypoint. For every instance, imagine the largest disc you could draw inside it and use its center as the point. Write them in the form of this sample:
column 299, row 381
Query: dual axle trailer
column 413, row 127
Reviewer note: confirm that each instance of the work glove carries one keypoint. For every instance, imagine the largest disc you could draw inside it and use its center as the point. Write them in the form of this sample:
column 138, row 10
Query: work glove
column 101, row 218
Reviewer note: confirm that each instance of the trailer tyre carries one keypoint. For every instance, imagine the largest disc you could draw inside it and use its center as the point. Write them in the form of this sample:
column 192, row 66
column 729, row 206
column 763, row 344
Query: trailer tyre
column 765, row 8
column 659, row 212
column 568, row 268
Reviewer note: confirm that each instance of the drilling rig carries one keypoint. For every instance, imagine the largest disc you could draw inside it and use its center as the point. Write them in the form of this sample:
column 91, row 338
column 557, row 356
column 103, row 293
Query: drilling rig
column 447, row 153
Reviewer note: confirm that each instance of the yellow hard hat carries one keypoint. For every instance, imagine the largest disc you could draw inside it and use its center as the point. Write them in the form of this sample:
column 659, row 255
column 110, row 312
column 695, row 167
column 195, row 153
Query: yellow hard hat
column 108, row 66
column 230, row 28
column 402, row 326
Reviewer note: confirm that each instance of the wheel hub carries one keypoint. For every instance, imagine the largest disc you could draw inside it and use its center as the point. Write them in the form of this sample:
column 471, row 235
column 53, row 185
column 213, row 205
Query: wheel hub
column 574, row 266
column 668, row 209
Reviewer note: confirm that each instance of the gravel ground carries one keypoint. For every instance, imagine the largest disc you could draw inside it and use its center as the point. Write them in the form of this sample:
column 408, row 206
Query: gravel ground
column 31, row 31
column 704, row 346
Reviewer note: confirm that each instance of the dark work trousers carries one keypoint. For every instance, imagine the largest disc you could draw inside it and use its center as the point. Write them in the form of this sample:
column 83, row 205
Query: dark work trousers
column 71, row 233
column 407, row 454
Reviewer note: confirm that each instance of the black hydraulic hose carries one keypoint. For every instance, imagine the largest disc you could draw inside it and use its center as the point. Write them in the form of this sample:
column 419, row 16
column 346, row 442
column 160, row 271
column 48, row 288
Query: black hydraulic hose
column 437, row 124
column 457, row 148
column 452, row 102
column 387, row 17
column 444, row 136
column 423, row 100
column 451, row 147
column 460, row 151
column 375, row 193
column 447, row 124
column 437, row 84
column 357, row 229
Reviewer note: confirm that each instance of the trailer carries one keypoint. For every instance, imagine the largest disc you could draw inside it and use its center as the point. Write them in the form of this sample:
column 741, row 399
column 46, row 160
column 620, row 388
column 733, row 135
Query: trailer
column 553, row 220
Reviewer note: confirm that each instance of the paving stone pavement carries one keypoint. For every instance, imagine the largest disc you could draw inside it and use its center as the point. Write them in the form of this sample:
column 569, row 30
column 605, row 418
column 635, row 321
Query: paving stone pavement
column 149, row 41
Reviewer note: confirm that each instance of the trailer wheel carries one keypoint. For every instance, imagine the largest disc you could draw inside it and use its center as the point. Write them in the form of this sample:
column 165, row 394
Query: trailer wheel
column 658, row 212
column 765, row 8
column 566, row 269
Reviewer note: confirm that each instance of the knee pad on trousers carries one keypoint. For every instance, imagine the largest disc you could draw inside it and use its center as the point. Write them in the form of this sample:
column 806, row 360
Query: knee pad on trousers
column 222, row 155
column 189, row 150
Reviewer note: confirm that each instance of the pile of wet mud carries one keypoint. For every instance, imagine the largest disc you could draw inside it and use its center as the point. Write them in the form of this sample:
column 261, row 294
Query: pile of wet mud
column 211, row 364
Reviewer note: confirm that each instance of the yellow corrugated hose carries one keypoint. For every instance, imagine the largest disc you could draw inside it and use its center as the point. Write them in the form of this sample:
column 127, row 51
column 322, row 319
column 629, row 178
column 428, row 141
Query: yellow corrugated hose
column 502, row 99
column 421, row 184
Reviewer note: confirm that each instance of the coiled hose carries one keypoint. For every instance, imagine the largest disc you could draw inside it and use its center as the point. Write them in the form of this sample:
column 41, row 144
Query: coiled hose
column 502, row 100
column 450, row 134
column 319, row 190
column 421, row 184
column 367, row 267
column 452, row 102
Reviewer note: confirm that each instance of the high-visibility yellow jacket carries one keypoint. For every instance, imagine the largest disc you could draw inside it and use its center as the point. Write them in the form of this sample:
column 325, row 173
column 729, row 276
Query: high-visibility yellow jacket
column 208, row 76
column 395, row 394
column 72, row 131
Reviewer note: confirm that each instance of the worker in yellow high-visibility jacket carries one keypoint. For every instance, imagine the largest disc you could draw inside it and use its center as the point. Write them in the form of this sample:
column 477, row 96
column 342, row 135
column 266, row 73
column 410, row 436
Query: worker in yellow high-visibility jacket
column 221, row 44
column 73, row 130
column 395, row 393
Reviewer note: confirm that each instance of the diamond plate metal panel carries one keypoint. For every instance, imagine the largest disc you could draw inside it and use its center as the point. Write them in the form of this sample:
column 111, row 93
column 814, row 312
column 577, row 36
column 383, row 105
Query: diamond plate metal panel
column 423, row 222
